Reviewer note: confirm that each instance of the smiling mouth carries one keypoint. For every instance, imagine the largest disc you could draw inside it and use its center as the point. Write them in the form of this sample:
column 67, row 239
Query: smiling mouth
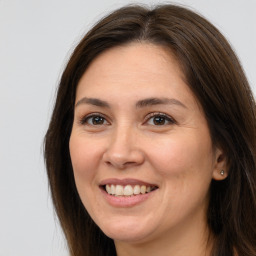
column 128, row 190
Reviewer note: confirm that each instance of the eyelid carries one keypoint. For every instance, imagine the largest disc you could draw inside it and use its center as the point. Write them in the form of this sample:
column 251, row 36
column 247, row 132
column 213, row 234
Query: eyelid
column 84, row 118
column 154, row 114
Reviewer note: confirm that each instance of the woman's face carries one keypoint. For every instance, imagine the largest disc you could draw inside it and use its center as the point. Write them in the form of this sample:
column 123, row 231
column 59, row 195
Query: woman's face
column 139, row 130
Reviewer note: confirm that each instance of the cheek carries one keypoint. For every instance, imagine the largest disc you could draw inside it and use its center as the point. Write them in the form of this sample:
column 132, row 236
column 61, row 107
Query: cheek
column 85, row 158
column 182, row 155
column 185, row 165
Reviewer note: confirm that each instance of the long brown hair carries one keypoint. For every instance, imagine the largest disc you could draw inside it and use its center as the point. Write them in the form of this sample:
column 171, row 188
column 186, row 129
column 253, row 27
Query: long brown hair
column 216, row 78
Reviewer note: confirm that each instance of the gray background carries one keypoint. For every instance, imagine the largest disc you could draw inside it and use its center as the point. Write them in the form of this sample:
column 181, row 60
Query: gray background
column 36, row 38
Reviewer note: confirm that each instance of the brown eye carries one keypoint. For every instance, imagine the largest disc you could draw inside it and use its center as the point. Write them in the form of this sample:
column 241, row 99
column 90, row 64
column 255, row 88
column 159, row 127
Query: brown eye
column 160, row 120
column 94, row 120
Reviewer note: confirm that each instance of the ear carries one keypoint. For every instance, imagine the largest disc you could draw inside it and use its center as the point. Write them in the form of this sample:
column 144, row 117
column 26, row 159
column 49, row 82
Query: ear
column 220, row 171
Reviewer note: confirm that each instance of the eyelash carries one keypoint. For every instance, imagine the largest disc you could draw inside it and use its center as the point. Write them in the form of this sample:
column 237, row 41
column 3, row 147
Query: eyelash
column 85, row 119
column 161, row 115
column 170, row 120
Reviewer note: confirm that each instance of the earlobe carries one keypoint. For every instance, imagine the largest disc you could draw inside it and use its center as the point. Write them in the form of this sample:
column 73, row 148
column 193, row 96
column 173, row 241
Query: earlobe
column 220, row 171
column 219, row 174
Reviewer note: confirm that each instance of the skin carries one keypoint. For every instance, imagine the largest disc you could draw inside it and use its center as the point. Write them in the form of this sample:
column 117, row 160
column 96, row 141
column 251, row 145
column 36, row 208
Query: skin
column 178, row 155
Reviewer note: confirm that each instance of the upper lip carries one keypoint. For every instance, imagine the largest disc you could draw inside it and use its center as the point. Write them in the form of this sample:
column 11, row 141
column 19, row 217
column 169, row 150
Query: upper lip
column 127, row 181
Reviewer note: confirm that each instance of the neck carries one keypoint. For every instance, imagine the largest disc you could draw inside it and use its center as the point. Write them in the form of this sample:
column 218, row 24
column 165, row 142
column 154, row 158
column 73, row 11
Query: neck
column 185, row 240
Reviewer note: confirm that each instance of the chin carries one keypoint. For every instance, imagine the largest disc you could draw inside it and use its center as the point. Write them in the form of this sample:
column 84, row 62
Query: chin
column 127, row 231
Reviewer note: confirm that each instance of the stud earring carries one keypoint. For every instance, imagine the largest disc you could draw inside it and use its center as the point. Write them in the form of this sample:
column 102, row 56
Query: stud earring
column 222, row 172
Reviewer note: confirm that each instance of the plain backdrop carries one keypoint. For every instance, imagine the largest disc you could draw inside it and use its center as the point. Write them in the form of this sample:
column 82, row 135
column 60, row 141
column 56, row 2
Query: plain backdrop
column 36, row 38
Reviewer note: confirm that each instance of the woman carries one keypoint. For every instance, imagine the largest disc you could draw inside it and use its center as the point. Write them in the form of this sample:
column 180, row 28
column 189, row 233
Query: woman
column 151, row 149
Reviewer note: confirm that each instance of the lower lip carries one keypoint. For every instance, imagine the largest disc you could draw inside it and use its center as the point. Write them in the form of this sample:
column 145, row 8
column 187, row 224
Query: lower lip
column 126, row 201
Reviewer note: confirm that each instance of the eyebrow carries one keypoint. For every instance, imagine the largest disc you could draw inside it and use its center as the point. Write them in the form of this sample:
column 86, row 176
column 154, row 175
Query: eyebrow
column 158, row 101
column 93, row 101
column 140, row 104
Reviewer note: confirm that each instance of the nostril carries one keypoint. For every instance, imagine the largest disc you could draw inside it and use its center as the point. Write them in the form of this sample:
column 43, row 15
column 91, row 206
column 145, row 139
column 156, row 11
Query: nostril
column 120, row 165
column 124, row 157
column 117, row 164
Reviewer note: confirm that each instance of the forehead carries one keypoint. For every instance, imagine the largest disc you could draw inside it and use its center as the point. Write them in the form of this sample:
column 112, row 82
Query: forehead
column 134, row 52
column 132, row 59
column 143, row 68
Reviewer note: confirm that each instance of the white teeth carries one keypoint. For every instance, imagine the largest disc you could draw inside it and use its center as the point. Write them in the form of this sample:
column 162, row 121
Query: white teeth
column 143, row 189
column 136, row 190
column 108, row 188
column 113, row 189
column 119, row 190
column 128, row 190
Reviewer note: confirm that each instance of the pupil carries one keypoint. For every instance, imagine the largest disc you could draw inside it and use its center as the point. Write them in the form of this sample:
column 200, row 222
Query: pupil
column 97, row 120
column 159, row 120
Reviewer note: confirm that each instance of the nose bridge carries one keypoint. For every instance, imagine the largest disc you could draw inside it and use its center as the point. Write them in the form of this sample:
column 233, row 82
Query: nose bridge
column 123, row 149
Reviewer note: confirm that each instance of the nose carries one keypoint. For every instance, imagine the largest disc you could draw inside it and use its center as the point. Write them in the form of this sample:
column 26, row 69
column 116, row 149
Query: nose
column 123, row 150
